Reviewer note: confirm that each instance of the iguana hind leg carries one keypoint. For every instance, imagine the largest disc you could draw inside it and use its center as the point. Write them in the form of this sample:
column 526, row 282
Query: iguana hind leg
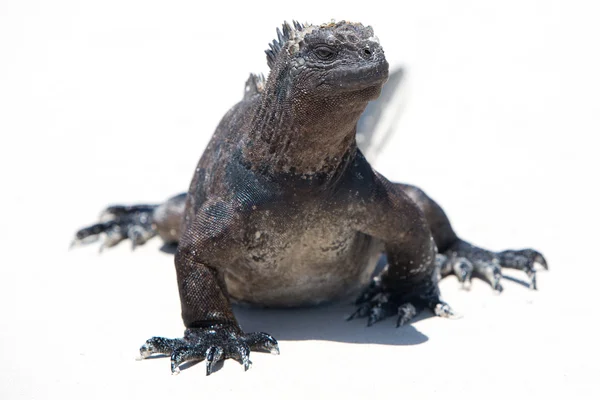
column 488, row 264
column 464, row 260
column 138, row 223
column 118, row 223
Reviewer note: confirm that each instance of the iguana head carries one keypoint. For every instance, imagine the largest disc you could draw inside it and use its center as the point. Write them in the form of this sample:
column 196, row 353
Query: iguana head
column 303, row 119
column 328, row 59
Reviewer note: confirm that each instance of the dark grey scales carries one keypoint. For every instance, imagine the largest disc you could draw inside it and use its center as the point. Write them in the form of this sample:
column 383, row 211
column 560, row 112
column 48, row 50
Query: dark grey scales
column 284, row 210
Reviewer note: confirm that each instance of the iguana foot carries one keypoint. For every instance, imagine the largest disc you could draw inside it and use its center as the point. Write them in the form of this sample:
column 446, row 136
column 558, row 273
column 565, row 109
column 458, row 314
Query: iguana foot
column 118, row 223
column 377, row 303
column 465, row 260
column 210, row 344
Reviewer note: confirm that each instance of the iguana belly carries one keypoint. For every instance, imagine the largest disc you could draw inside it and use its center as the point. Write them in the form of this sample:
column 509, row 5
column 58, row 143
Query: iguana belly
column 303, row 266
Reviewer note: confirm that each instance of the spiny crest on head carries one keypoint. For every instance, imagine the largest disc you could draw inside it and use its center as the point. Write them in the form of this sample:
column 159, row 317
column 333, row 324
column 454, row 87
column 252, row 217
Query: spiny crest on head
column 275, row 47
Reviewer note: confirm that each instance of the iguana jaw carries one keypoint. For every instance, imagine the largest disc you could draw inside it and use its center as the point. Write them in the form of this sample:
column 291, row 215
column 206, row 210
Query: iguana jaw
column 353, row 79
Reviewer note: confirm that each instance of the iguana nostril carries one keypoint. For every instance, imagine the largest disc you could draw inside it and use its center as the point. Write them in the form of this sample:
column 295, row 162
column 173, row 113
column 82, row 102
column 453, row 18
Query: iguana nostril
column 367, row 53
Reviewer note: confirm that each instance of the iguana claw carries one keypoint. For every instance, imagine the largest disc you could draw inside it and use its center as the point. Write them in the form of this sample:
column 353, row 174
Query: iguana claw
column 118, row 223
column 488, row 265
column 211, row 344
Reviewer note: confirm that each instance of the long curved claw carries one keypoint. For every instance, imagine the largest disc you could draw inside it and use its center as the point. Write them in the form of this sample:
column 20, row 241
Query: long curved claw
column 524, row 260
column 406, row 312
column 186, row 353
column 380, row 311
column 242, row 355
column 443, row 310
column 113, row 237
column 213, row 355
column 488, row 264
column 360, row 312
column 539, row 259
column 90, row 233
column 463, row 269
column 118, row 223
column 214, row 344
column 139, row 235
column 159, row 345
column 459, row 266
column 261, row 341
column 532, row 256
column 532, row 280
column 378, row 303
column 492, row 272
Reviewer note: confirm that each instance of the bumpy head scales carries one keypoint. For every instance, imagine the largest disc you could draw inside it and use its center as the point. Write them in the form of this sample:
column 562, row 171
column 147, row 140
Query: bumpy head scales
column 291, row 37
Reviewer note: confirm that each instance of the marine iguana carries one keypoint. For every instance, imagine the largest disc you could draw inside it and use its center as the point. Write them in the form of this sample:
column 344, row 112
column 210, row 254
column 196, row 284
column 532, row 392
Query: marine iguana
column 284, row 210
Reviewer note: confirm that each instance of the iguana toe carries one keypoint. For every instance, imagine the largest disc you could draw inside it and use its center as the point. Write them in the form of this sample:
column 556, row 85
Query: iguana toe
column 212, row 344
column 488, row 265
column 118, row 223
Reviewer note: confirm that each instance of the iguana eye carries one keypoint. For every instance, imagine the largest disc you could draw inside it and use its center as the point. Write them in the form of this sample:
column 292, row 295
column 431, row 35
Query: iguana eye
column 324, row 53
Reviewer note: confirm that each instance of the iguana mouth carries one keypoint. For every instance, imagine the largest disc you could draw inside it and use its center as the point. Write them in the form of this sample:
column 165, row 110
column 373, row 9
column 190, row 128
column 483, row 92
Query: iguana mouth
column 351, row 79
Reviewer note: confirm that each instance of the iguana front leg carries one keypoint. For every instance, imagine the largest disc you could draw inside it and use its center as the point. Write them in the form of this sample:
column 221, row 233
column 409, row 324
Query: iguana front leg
column 212, row 331
column 409, row 282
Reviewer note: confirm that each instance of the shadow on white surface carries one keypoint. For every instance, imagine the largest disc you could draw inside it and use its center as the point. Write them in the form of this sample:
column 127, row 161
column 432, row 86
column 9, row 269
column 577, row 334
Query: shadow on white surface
column 329, row 323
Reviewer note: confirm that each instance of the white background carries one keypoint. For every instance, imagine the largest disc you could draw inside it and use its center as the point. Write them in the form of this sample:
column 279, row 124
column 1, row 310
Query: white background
column 114, row 101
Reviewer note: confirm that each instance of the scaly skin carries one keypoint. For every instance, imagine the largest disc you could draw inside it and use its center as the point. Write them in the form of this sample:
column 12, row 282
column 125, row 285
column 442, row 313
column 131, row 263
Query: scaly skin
column 284, row 210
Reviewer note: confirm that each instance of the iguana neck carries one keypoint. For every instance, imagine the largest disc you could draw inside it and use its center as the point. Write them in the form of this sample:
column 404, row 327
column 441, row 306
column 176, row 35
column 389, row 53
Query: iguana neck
column 303, row 136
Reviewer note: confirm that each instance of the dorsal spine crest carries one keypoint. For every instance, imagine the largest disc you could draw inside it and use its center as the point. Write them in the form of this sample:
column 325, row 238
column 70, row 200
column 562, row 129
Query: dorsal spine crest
column 285, row 34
